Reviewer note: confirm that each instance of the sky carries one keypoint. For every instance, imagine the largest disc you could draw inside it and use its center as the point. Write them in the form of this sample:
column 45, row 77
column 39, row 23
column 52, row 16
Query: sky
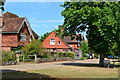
column 42, row 16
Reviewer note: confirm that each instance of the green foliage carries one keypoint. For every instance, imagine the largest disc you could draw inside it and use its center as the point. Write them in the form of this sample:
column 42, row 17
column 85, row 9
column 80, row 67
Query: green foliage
column 17, row 49
column 83, row 58
column 42, row 38
column 70, row 54
column 8, row 56
column 84, row 48
column 65, row 54
column 56, row 54
column 101, row 19
column 96, row 55
column 34, row 47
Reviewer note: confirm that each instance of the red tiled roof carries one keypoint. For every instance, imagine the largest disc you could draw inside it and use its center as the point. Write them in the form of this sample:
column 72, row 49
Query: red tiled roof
column 10, row 15
column 12, row 24
column 68, row 39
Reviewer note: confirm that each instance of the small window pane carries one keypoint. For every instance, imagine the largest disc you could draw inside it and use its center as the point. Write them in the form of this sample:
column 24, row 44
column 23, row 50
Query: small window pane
column 22, row 37
column 52, row 42
column 59, row 42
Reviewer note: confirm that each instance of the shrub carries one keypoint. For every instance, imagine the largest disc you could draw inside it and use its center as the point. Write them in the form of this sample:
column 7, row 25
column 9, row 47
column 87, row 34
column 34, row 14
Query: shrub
column 66, row 54
column 8, row 56
column 71, row 54
column 83, row 58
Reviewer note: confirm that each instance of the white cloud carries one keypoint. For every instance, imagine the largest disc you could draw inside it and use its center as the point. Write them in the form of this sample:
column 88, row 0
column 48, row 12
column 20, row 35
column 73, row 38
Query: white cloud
column 50, row 21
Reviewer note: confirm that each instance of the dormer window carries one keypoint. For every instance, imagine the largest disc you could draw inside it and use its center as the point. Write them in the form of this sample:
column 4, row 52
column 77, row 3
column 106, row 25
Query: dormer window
column 22, row 37
column 59, row 43
column 52, row 41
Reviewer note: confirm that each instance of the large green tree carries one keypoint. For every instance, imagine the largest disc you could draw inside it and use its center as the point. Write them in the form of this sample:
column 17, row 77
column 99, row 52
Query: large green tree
column 101, row 19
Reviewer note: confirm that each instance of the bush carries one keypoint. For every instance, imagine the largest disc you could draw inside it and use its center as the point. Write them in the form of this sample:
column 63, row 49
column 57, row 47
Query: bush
column 83, row 58
column 66, row 54
column 70, row 54
column 8, row 56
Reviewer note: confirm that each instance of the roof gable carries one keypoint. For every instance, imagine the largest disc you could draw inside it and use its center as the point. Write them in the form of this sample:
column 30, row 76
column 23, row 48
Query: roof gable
column 46, row 42
column 10, row 15
column 12, row 24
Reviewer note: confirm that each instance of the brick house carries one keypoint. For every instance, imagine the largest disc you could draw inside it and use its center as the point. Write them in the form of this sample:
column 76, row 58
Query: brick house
column 57, row 43
column 16, row 31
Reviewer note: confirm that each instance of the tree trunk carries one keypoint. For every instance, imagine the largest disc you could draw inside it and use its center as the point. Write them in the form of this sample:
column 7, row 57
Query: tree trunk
column 101, row 62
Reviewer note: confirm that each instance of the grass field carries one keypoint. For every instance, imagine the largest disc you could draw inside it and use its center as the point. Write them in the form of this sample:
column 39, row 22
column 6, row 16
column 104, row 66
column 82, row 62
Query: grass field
column 67, row 72
column 79, row 72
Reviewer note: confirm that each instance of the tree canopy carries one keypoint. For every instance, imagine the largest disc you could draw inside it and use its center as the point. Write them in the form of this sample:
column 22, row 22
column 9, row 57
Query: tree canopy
column 101, row 19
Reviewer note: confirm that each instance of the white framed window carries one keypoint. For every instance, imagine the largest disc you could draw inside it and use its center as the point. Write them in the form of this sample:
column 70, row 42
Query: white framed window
column 59, row 43
column 52, row 41
column 70, row 45
column 22, row 37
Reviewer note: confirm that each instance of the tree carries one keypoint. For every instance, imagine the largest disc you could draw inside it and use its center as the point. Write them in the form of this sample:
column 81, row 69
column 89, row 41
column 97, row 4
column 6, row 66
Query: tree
column 101, row 19
column 42, row 38
column 84, row 48
column 34, row 47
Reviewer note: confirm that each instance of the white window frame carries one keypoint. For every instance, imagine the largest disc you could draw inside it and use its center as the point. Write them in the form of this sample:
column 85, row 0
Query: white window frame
column 70, row 45
column 22, row 37
column 59, row 43
column 52, row 41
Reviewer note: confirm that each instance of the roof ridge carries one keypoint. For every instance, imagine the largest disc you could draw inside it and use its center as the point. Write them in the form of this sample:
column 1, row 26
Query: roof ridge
column 9, row 15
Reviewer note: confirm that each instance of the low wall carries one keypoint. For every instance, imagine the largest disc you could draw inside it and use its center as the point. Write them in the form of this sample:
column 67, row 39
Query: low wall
column 8, row 63
column 39, row 60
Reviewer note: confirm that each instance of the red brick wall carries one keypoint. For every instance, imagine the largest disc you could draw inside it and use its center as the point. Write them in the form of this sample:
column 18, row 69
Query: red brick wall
column 25, row 31
column 9, row 40
column 46, row 42
column 6, row 48
column 13, row 39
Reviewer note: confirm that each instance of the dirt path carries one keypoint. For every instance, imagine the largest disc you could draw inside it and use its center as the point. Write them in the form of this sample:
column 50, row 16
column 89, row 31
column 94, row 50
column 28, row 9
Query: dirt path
column 37, row 66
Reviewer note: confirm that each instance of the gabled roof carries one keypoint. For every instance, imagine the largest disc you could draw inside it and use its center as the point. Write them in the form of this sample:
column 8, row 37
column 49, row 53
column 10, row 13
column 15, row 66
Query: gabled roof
column 35, row 35
column 12, row 24
column 10, row 15
column 64, row 41
column 69, row 40
column 46, row 43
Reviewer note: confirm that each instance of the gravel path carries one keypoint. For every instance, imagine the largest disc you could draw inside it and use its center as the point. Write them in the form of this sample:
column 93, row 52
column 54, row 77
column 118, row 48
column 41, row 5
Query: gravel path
column 37, row 66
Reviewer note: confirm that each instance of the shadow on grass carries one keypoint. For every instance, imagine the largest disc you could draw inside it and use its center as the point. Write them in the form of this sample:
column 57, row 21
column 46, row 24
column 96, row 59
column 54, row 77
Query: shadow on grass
column 15, row 75
column 88, row 65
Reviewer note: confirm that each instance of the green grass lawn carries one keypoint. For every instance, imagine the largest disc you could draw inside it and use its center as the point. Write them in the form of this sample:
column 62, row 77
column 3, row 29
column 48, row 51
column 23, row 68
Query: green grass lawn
column 79, row 72
column 67, row 72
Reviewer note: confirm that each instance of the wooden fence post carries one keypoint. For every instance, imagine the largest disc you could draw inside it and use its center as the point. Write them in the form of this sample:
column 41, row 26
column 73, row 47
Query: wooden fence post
column 17, row 55
column 35, row 58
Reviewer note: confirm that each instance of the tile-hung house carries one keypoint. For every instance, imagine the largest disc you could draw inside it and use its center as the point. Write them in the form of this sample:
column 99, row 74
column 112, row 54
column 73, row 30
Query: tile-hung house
column 57, row 43
column 16, row 31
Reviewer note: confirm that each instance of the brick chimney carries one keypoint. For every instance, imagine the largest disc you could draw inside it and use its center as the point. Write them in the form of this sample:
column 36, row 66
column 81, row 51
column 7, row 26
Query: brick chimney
column 61, row 28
